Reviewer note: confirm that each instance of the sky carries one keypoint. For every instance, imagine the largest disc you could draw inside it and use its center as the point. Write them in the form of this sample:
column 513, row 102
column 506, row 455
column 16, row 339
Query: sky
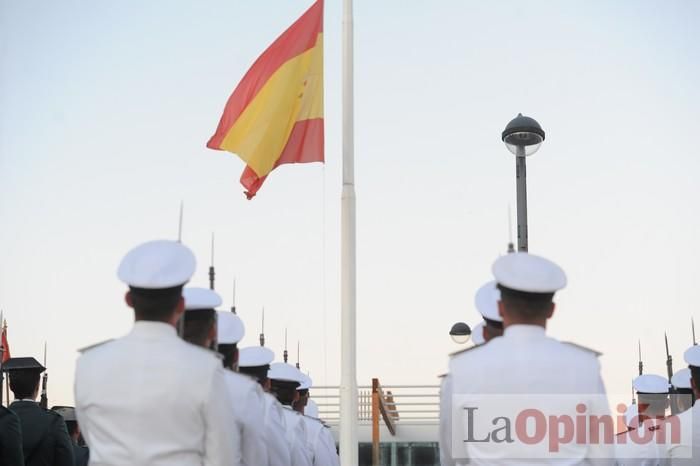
column 106, row 107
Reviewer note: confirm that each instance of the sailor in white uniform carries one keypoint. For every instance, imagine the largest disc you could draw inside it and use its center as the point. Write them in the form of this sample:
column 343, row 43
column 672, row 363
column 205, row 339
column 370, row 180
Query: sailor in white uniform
column 285, row 379
column 318, row 435
column 523, row 364
column 149, row 398
column 248, row 396
column 632, row 449
column 687, row 451
column 682, row 398
column 254, row 362
column 486, row 303
column 206, row 327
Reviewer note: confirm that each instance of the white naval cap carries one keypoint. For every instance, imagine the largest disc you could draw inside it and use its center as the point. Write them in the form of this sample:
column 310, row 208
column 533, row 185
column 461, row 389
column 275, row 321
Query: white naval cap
column 200, row 298
column 157, row 264
column 521, row 271
column 230, row 328
column 486, row 301
column 478, row 334
column 692, row 356
column 285, row 373
column 650, row 383
column 632, row 416
column 681, row 379
column 307, row 382
column 311, row 409
column 255, row 356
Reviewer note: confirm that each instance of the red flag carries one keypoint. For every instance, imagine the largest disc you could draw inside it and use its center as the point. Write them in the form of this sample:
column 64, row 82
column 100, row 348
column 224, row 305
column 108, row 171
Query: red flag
column 275, row 114
column 5, row 345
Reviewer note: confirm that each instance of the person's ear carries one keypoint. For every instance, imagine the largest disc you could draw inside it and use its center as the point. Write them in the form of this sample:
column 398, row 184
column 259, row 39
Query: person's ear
column 552, row 307
column 212, row 333
column 180, row 308
column 128, row 299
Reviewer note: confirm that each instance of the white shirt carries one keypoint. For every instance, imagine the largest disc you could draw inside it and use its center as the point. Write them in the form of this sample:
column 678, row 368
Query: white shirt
column 151, row 399
column 296, row 436
column 687, row 453
column 321, row 442
column 276, row 432
column 524, row 361
column 249, row 410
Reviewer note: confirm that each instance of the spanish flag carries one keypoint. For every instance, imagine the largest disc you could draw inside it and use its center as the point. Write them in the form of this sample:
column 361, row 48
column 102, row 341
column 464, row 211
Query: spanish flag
column 275, row 114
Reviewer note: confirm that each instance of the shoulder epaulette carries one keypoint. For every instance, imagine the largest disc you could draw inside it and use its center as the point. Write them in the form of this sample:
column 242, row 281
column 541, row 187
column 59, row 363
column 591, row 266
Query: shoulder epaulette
column 589, row 350
column 312, row 418
column 95, row 345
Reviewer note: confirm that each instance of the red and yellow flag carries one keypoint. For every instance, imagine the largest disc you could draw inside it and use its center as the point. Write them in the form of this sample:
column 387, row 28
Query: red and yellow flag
column 275, row 114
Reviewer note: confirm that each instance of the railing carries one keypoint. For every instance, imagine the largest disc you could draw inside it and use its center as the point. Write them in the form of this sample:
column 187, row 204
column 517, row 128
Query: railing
column 405, row 404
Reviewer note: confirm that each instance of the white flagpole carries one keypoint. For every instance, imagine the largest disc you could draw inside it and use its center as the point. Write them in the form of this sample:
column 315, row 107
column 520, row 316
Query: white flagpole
column 348, row 372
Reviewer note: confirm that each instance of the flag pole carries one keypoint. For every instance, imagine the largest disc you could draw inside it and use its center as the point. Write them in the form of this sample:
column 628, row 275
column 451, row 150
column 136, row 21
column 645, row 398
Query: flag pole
column 348, row 372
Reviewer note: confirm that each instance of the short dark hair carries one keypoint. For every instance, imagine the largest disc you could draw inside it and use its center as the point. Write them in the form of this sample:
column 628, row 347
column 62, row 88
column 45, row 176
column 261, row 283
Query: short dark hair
column 284, row 391
column 695, row 375
column 230, row 353
column 24, row 382
column 259, row 373
column 155, row 304
column 527, row 306
column 198, row 324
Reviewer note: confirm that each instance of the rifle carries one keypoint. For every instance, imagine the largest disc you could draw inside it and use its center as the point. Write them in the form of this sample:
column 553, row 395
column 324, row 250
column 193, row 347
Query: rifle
column 44, row 402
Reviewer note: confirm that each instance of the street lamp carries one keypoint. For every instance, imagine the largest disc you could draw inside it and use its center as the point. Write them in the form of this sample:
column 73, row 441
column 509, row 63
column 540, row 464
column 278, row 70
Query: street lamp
column 460, row 333
column 522, row 136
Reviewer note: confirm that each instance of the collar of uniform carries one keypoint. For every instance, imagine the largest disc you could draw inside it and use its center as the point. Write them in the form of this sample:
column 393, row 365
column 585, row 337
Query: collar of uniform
column 150, row 329
column 523, row 331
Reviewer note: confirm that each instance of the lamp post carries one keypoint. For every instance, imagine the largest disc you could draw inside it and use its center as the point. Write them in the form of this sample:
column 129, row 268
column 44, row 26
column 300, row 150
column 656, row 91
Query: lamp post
column 523, row 136
column 460, row 333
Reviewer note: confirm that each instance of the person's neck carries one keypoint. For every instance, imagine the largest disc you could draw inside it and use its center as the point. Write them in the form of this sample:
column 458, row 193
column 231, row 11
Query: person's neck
column 507, row 322
column 169, row 321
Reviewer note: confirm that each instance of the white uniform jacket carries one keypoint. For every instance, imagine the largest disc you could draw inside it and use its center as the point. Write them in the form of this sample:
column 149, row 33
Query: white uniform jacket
column 321, row 442
column 249, row 409
column 151, row 399
column 523, row 362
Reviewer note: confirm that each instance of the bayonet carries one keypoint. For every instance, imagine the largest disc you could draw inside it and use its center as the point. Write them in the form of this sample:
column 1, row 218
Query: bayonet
column 298, row 345
column 262, row 329
column 511, row 247
column 233, row 306
column 669, row 360
column 44, row 402
column 211, row 267
column 179, row 228
column 285, row 355
column 641, row 365
column 692, row 323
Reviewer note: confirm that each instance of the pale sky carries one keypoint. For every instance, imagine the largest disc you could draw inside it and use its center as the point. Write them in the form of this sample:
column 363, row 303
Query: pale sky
column 106, row 107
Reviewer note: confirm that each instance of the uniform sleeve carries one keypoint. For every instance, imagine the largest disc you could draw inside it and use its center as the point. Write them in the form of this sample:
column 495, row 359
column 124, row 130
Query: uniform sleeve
column 304, row 455
column 63, row 453
column 275, row 436
column 326, row 454
column 11, row 441
column 222, row 440
column 602, row 453
column 253, row 432
column 445, row 434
